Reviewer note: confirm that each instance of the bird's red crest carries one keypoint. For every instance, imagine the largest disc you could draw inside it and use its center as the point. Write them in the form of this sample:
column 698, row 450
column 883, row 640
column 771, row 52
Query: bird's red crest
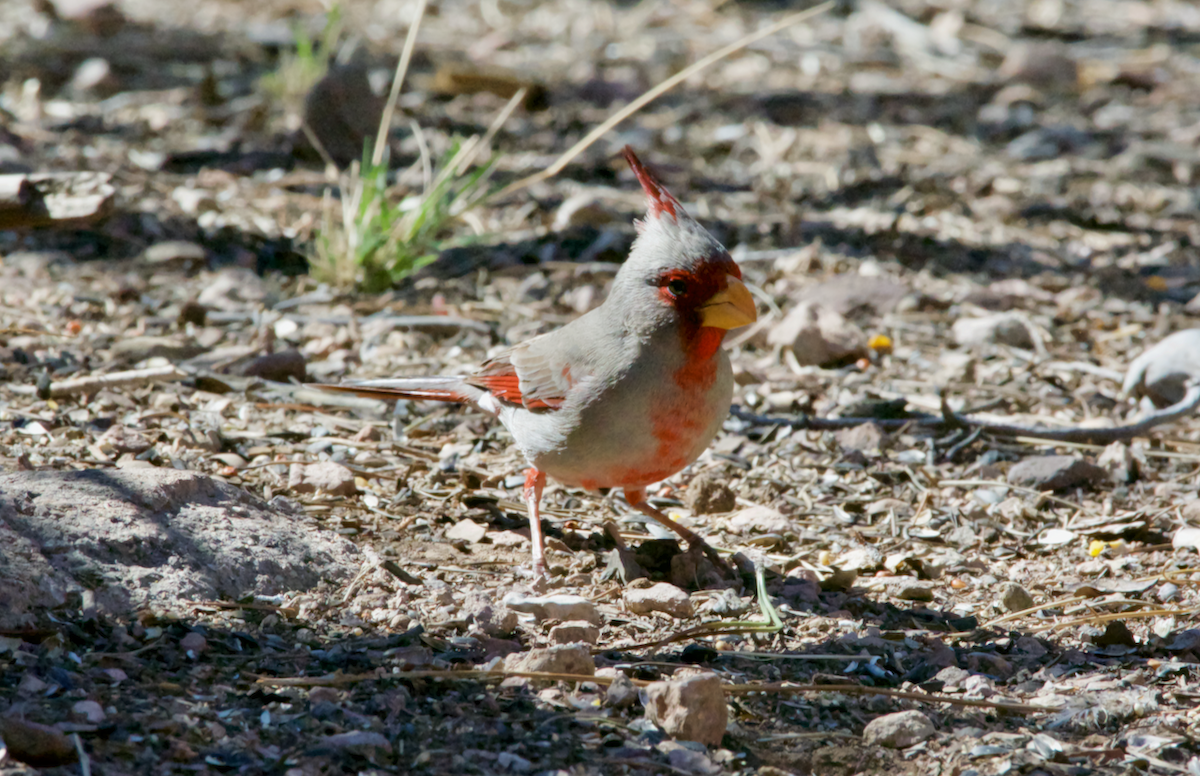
column 661, row 200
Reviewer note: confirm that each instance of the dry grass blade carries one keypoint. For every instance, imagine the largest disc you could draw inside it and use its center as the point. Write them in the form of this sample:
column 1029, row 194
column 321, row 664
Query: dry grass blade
column 562, row 161
column 385, row 123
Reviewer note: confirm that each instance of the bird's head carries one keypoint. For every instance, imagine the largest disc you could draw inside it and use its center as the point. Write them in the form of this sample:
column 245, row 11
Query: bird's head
column 679, row 270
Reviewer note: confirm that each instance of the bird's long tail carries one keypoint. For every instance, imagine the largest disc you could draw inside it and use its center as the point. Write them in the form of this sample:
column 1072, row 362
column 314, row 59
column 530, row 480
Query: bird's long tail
column 448, row 389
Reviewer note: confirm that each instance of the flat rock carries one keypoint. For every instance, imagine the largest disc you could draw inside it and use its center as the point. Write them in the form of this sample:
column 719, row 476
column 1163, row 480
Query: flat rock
column 1015, row 598
column 281, row 367
column 562, row 606
column 854, row 294
column 573, row 659
column 1055, row 472
column 1163, row 372
column 466, row 530
column 1000, row 329
column 867, row 437
column 899, row 730
column 494, row 619
column 818, row 336
column 575, row 632
column 758, row 519
column 663, row 597
column 326, row 476
column 150, row 536
column 691, row 708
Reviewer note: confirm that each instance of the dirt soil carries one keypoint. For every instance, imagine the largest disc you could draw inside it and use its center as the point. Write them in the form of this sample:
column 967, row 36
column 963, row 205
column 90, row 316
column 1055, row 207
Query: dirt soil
column 906, row 172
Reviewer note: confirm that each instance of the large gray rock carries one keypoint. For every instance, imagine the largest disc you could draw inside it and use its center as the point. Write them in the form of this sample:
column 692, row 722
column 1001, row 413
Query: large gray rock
column 150, row 536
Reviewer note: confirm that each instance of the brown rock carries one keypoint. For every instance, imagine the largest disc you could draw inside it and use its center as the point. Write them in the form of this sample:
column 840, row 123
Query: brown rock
column 818, row 336
column 327, row 476
column 38, row 745
column 867, row 438
column 708, row 494
column 692, row 708
column 343, row 113
column 899, row 730
column 1055, row 472
column 662, row 597
column 281, row 367
column 574, row 659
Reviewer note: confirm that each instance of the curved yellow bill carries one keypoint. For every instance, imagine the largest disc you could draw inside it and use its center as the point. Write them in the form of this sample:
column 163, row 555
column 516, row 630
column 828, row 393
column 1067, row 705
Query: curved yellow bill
column 729, row 308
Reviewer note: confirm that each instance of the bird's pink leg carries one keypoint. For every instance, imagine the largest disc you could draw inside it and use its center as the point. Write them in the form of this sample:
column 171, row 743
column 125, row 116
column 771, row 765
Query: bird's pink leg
column 535, row 481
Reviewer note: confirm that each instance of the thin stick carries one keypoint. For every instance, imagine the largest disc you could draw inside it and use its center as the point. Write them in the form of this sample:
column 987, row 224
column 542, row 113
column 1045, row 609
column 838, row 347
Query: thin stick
column 94, row 383
column 85, row 764
column 562, row 161
column 385, row 123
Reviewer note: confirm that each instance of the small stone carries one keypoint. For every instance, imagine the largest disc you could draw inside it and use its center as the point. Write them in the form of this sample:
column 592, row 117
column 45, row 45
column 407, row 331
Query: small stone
column 1186, row 538
column 327, row 476
column 1055, row 472
column 575, row 632
column 343, row 113
column 323, row 695
column 513, row 763
column 282, row 367
column 916, row 593
column 194, row 643
column 38, row 745
column 855, row 294
column 1120, row 463
column 691, row 709
column 759, row 519
column 562, row 607
column 622, row 693
column 708, row 494
column 1046, row 65
column 193, row 313
column 818, row 336
column 1015, row 598
column 861, row 559
column 30, row 685
column 90, row 712
column 1000, row 329
column 94, row 76
column 494, row 620
column 120, row 439
column 508, row 539
column 364, row 743
column 175, row 252
column 573, row 659
column 466, row 530
column 867, row 438
column 899, row 730
column 662, row 597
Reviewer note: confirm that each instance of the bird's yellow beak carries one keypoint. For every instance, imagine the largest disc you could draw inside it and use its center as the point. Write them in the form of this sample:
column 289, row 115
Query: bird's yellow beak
column 729, row 308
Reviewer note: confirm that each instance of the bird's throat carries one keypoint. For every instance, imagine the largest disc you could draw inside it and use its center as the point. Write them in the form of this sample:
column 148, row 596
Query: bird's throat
column 700, row 369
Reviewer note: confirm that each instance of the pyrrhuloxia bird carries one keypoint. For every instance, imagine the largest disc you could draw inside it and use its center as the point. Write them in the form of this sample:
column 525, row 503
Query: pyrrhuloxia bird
column 629, row 393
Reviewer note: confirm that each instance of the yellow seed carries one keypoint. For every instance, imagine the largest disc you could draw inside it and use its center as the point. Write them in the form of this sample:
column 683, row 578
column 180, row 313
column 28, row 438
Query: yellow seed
column 1096, row 547
column 880, row 343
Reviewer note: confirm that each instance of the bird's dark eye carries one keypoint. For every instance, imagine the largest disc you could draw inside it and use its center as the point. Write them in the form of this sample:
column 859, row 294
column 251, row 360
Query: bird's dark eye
column 677, row 287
